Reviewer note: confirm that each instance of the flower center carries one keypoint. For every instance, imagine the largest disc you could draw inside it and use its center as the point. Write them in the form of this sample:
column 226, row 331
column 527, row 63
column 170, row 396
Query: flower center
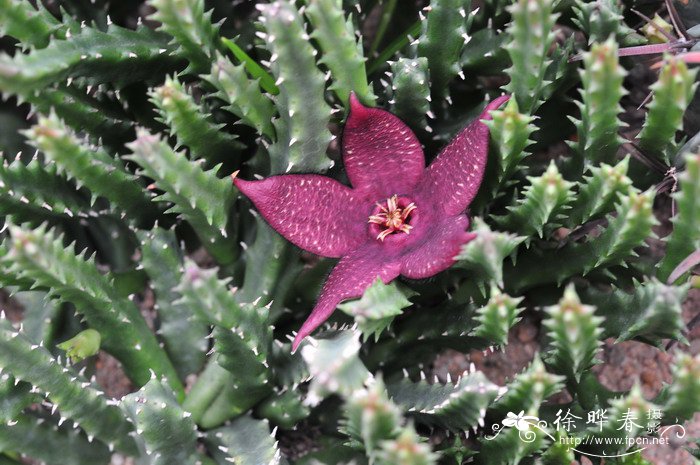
column 392, row 217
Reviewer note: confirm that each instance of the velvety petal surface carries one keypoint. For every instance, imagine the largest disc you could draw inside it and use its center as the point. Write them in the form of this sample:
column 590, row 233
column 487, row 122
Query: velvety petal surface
column 349, row 279
column 382, row 156
column 313, row 212
column 453, row 178
column 436, row 253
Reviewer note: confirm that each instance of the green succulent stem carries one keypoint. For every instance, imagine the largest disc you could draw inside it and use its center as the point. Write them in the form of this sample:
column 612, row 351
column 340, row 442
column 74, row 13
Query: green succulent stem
column 575, row 332
column 672, row 93
column 76, row 398
column 168, row 434
column 531, row 38
column 191, row 29
column 685, row 237
column 191, row 125
column 544, row 203
column 302, row 127
column 602, row 77
column 185, row 339
column 198, row 195
column 615, row 245
column 267, row 82
column 411, row 90
column 443, row 36
column 342, row 53
column 104, row 175
column 395, row 46
column 119, row 55
column 243, row 95
column 31, row 26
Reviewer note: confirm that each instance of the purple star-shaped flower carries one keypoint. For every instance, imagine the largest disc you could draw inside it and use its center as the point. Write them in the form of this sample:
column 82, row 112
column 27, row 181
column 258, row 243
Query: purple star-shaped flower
column 399, row 218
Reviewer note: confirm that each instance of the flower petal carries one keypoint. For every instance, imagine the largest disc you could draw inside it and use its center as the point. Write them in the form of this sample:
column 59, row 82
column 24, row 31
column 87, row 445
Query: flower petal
column 382, row 156
column 454, row 177
column 313, row 212
column 349, row 279
column 436, row 253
